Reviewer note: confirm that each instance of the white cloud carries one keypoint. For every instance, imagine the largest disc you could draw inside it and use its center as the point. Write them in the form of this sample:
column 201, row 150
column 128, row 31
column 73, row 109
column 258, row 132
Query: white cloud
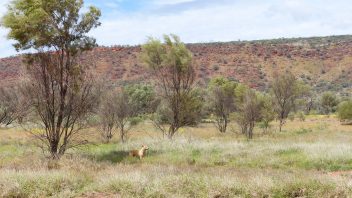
column 3, row 6
column 222, row 20
column 112, row 5
column 170, row 2
column 232, row 21
column 6, row 48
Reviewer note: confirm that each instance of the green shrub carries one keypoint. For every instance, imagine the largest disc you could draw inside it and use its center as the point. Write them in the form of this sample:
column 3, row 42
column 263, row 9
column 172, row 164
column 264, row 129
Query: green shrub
column 301, row 116
column 345, row 110
column 291, row 117
column 136, row 120
column 303, row 131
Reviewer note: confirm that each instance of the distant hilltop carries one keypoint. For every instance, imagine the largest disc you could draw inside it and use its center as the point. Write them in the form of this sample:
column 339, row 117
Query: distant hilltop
column 323, row 62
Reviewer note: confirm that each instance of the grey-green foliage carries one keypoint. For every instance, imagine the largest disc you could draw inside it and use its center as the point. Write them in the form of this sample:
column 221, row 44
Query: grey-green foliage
column 301, row 116
column 252, row 107
column 240, row 93
column 344, row 111
column 171, row 64
column 221, row 100
column 50, row 24
column 267, row 112
column 329, row 102
column 142, row 96
column 191, row 111
column 291, row 116
column 306, row 99
column 285, row 90
column 250, row 111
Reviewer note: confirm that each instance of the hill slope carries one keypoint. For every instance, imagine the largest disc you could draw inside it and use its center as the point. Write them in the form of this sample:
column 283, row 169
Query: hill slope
column 323, row 62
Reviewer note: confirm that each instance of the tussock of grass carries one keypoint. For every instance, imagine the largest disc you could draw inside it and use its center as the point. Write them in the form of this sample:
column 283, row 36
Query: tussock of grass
column 40, row 184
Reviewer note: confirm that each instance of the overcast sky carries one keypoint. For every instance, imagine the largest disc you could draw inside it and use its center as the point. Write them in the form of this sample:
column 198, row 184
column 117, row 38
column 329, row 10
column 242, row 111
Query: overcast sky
column 131, row 21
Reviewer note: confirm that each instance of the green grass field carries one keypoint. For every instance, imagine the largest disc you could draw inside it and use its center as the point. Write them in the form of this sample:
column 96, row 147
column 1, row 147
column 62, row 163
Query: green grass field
column 308, row 159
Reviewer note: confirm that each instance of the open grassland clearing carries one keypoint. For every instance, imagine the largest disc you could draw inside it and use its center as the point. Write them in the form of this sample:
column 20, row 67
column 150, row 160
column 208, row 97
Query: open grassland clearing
column 308, row 159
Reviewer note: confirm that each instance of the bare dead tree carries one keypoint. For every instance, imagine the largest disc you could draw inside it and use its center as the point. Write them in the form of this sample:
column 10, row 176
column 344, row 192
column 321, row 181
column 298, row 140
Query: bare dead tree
column 107, row 115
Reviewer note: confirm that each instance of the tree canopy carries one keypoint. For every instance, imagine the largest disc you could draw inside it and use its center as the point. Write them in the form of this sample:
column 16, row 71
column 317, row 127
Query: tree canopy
column 50, row 24
column 171, row 64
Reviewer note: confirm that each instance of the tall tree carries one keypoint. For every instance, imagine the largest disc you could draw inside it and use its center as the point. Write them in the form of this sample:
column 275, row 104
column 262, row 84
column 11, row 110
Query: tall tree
column 59, row 86
column 285, row 91
column 250, row 111
column 172, row 67
column 222, row 101
column 240, row 93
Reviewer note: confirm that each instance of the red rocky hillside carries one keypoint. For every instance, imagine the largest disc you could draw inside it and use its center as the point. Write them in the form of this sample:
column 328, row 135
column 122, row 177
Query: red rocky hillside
column 323, row 62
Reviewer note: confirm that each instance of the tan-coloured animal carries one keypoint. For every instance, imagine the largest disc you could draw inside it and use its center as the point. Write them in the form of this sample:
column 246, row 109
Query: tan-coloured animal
column 139, row 153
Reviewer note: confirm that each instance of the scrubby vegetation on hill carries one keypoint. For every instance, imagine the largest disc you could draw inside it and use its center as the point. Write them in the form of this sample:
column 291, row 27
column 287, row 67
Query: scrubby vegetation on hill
column 323, row 62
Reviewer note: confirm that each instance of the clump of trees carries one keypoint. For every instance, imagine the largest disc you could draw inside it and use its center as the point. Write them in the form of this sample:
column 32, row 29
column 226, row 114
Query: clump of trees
column 59, row 88
column 253, row 107
column 248, row 107
column 244, row 105
column 172, row 67
column 120, row 110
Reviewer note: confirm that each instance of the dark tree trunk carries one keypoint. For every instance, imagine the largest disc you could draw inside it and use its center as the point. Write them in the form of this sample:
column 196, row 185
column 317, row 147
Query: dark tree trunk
column 281, row 124
column 250, row 130
column 122, row 133
column 54, row 150
column 222, row 124
column 172, row 131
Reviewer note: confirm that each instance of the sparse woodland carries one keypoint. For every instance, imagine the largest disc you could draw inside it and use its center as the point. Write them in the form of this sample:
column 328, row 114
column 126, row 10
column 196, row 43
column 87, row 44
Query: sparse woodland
column 66, row 132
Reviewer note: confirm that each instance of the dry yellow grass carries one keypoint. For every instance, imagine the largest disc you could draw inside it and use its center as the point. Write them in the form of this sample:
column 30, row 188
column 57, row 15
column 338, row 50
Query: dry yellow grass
column 308, row 159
